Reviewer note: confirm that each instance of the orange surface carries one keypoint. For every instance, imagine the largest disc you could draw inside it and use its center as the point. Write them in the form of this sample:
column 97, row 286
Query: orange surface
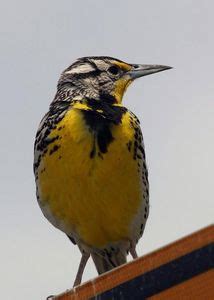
column 197, row 288
column 144, row 264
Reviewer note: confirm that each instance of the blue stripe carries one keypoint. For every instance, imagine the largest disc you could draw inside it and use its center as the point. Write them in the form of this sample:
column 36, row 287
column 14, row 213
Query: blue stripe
column 164, row 277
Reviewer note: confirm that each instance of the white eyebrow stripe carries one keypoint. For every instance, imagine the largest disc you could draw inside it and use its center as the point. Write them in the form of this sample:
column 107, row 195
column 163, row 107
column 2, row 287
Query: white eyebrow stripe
column 80, row 69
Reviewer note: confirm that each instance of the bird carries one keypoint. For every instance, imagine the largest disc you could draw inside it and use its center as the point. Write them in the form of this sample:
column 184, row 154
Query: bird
column 90, row 164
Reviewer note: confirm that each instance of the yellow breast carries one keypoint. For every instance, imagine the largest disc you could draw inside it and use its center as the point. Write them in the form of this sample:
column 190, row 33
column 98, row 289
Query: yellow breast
column 94, row 197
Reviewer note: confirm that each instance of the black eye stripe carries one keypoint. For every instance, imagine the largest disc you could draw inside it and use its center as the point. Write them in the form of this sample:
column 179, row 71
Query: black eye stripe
column 86, row 75
column 94, row 65
column 113, row 70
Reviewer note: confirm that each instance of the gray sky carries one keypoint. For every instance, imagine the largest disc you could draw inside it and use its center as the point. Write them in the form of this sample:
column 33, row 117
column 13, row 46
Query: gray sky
column 38, row 40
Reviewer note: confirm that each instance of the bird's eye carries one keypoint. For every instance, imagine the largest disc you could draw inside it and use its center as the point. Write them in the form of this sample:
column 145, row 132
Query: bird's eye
column 114, row 70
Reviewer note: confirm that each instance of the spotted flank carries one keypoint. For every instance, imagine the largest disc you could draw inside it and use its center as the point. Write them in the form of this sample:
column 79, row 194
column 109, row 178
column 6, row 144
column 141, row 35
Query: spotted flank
column 90, row 165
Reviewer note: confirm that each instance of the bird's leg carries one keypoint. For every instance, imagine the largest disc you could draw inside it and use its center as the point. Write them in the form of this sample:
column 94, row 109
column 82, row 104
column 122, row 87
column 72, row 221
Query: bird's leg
column 133, row 253
column 83, row 262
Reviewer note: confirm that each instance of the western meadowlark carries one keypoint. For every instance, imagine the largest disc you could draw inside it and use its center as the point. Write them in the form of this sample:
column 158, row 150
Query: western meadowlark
column 90, row 165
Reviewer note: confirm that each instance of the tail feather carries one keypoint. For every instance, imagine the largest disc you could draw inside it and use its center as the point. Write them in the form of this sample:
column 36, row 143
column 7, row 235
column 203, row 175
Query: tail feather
column 109, row 261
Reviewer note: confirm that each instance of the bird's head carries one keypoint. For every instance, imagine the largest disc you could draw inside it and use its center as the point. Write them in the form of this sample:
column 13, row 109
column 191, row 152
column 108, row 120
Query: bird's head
column 104, row 77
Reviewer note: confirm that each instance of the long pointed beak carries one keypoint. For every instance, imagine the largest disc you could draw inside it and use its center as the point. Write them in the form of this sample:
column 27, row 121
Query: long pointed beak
column 143, row 70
